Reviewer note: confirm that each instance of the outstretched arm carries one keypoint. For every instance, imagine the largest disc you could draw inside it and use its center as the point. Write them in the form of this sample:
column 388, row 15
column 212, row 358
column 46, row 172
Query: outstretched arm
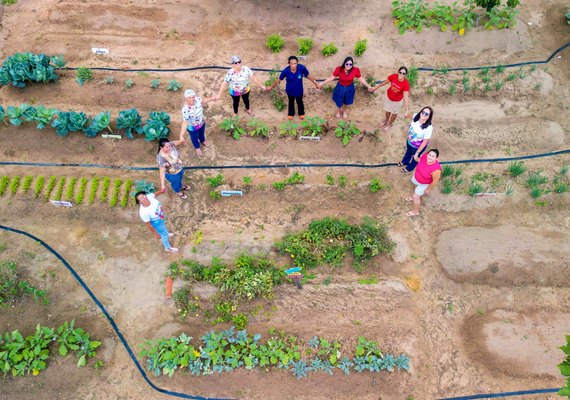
column 375, row 88
column 363, row 81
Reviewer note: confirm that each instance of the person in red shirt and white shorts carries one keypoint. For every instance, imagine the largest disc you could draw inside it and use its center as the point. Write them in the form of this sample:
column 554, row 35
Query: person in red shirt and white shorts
column 396, row 94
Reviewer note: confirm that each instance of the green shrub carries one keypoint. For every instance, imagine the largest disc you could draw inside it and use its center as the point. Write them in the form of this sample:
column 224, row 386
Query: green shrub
column 413, row 75
column 516, row 168
column 376, row 185
column 360, row 47
column 275, row 42
column 536, row 179
column 83, row 75
column 173, row 85
column 305, row 45
column 215, row 181
column 329, row 49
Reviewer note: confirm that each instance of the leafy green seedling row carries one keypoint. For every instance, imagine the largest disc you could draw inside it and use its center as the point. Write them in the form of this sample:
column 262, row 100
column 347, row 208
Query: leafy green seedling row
column 51, row 185
column 27, row 184
column 70, row 193
column 60, row 186
column 93, row 189
column 105, row 189
column 40, row 181
column 14, row 184
column 116, row 190
column 81, row 194
column 126, row 193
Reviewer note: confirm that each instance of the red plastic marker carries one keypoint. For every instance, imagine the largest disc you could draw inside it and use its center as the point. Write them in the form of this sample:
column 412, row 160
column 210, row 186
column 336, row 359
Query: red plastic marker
column 168, row 287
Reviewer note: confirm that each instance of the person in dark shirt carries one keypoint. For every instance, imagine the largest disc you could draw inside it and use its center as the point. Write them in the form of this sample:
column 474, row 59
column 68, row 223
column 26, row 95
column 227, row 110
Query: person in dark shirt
column 293, row 74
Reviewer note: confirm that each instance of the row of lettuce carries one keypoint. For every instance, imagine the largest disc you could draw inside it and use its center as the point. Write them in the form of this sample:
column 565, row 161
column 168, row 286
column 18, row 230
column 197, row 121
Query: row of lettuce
column 64, row 122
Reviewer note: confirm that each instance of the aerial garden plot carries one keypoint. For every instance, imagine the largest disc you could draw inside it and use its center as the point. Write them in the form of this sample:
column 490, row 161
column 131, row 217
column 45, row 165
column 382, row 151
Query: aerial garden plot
column 298, row 274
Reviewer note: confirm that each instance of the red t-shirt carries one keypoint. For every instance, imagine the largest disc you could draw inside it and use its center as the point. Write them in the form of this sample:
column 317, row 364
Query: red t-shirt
column 396, row 90
column 424, row 170
column 343, row 78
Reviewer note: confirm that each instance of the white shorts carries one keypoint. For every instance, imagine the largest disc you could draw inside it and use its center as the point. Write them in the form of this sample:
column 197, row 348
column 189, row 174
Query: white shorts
column 420, row 187
column 392, row 107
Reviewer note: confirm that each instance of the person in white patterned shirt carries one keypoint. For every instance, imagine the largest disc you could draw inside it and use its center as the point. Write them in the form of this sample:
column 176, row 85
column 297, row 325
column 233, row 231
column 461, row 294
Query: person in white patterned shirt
column 193, row 120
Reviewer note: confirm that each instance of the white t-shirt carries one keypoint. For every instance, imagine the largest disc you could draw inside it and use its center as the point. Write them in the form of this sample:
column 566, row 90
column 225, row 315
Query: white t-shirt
column 153, row 212
column 194, row 115
column 239, row 81
column 416, row 134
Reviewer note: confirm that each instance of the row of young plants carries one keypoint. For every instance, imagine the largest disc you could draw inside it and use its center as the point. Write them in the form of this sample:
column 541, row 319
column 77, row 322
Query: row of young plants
column 21, row 355
column 227, row 350
column 375, row 184
column 64, row 122
column 76, row 190
column 249, row 278
column 13, row 286
column 486, row 80
column 537, row 182
column 311, row 126
column 85, row 75
column 417, row 14
column 276, row 42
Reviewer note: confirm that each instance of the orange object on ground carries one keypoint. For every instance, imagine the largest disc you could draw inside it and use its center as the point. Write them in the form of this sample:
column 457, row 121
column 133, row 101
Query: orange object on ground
column 168, row 287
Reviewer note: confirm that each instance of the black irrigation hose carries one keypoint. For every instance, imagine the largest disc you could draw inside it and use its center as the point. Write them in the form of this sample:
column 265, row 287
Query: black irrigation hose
column 519, row 64
column 109, row 318
column 292, row 165
column 187, row 396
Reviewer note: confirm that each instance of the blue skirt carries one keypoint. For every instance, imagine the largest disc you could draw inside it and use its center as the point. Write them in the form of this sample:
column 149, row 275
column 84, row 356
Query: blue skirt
column 343, row 95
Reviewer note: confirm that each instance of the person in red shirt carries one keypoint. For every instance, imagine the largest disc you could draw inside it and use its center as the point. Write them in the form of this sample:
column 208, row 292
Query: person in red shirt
column 395, row 95
column 343, row 93
column 425, row 177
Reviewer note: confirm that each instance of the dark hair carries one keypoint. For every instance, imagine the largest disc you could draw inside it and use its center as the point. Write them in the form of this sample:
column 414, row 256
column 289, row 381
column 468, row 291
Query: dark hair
column 161, row 143
column 403, row 68
column 428, row 122
column 346, row 60
column 436, row 151
column 292, row 58
column 137, row 194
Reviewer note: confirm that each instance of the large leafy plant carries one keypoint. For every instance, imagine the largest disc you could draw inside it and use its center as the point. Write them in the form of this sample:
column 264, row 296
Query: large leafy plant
column 157, row 126
column 99, row 123
column 22, row 68
column 130, row 121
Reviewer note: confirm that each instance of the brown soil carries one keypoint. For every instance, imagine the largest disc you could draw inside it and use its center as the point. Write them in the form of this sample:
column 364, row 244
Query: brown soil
column 476, row 291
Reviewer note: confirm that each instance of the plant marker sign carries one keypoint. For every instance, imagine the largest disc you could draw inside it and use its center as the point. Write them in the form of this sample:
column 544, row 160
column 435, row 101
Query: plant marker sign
column 228, row 193
column 317, row 138
column 58, row 203
column 296, row 275
column 108, row 136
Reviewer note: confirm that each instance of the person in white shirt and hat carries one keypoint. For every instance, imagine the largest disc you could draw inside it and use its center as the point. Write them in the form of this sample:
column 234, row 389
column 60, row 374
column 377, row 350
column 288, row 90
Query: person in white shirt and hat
column 193, row 120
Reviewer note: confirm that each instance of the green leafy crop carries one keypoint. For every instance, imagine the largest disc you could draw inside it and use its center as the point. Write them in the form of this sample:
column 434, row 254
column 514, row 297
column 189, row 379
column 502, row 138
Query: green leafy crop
column 275, row 43
column 22, row 68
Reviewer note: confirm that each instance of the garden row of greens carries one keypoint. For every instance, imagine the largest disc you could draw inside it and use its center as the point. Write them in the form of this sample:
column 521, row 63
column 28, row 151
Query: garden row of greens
column 417, row 14
column 24, row 355
column 75, row 190
column 536, row 182
column 276, row 42
column 326, row 242
column 227, row 350
column 64, row 122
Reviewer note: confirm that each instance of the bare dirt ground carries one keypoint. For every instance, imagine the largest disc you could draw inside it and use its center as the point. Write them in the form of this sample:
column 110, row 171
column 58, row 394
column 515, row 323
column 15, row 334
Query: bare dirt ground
column 476, row 291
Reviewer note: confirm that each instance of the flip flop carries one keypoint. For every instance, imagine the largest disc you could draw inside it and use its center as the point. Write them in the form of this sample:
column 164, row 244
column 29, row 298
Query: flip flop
column 412, row 214
column 405, row 171
column 185, row 187
column 250, row 113
column 400, row 164
column 183, row 196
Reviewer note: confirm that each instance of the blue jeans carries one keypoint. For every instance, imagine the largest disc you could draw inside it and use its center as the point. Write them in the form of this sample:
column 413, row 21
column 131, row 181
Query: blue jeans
column 160, row 228
column 408, row 159
column 198, row 136
column 175, row 180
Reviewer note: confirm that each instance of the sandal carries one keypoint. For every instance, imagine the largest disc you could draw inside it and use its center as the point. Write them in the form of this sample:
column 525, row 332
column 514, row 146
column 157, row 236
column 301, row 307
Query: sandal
column 185, row 187
column 412, row 214
column 183, row 196
column 250, row 113
column 204, row 143
column 404, row 170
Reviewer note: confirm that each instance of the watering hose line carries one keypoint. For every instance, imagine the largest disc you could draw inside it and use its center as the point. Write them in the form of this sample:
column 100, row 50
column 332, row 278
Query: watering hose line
column 424, row 69
column 287, row 165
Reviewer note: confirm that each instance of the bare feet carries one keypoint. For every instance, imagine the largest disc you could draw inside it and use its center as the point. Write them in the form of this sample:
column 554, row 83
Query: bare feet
column 345, row 115
column 199, row 152
column 338, row 115
column 250, row 113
